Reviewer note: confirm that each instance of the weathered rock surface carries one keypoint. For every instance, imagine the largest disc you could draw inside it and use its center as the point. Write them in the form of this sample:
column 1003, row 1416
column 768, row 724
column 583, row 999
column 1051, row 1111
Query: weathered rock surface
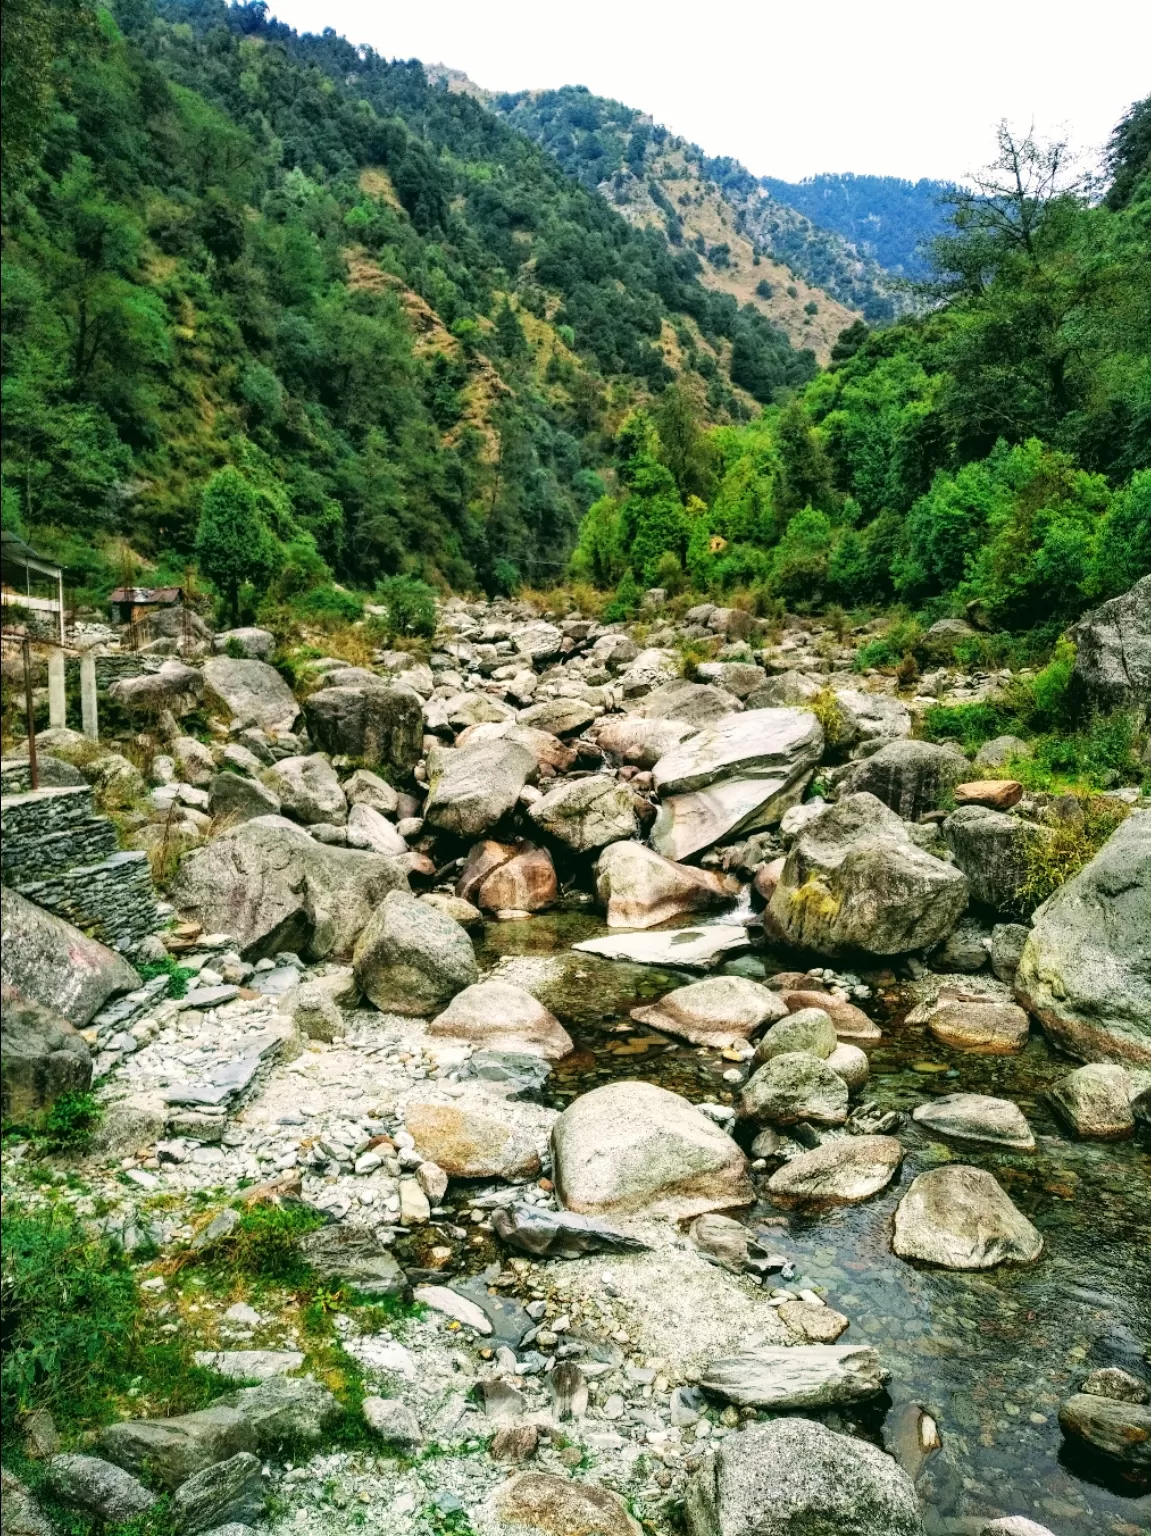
column 308, row 789
column 559, row 717
column 285, row 1411
column 1113, row 655
column 586, row 814
column 807, row 1030
column 960, row 1218
column 381, row 726
column 855, row 880
column 695, row 704
column 52, row 963
column 255, row 644
column 273, row 887
column 910, row 777
column 231, row 1491
column 469, row 1142
column 804, row 1376
column 472, row 787
column 497, row 1016
column 525, row 882
column 866, row 718
column 991, row 849
column 717, row 1012
column 560, row 1234
column 41, row 1057
column 641, row 741
column 793, row 1477
column 351, row 1256
column 175, row 687
column 393, row 1421
column 1095, row 1101
column 739, row 774
column 632, row 1146
column 232, row 798
column 985, row 1027
column 171, row 1450
column 694, row 949
column 640, row 888
column 98, row 1487
column 411, row 959
column 371, row 830
column 977, row 1117
column 1085, row 971
column 252, row 692
column 842, row 1172
column 1121, row 1430
column 539, row 1504
column 851, row 1023
column 793, row 1087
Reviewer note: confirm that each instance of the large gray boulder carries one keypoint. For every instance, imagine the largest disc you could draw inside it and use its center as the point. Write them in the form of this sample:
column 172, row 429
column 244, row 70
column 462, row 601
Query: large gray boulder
column 641, row 741
column 472, row 787
column 793, row 1087
column 841, row 1172
column 640, row 888
column 868, row 720
column 380, row 725
column 42, row 1057
column 694, row 704
column 175, row 687
column 284, row 1411
column 739, row 774
column 910, row 777
column 721, row 1011
column 169, row 1451
column 255, row 644
column 977, row 1117
column 233, row 798
column 1095, row 1101
column 961, row 1218
column 800, row 1376
column 991, row 848
column 308, row 789
column 793, row 1477
column 252, row 692
column 1085, row 971
column 230, row 1493
column 497, row 1016
column 586, row 814
column 273, row 887
column 632, row 1146
column 411, row 958
column 98, row 1487
column 52, row 963
column 855, row 880
column 1113, row 658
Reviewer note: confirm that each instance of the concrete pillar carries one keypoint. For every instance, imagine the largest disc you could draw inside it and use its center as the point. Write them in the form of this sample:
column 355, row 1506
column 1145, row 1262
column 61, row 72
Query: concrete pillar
column 57, row 704
column 88, row 696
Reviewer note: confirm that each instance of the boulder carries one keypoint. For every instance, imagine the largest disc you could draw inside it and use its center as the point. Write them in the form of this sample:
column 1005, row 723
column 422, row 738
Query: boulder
column 1001, row 751
column 794, row 1087
column 1007, row 941
column 586, row 814
column 1120, row 1430
column 941, row 638
column 694, row 704
column 851, row 1023
column 641, row 741
column 991, row 848
column 693, row 949
column 841, row 1172
column 1015, row 1525
column 793, row 1477
column 540, row 1504
column 348, row 1255
column 367, row 788
column 497, row 1016
column 52, row 963
column 1113, row 652
column 855, row 880
column 803, row 1376
column 468, row 710
column 284, row 1411
column 984, row 1026
column 977, row 1117
column 540, row 642
column 639, row 888
column 42, row 1057
column 231, row 1491
column 233, row 798
column 380, row 725
column 960, row 1218
column 632, row 1146
column 194, row 761
column 468, row 1142
column 255, row 644
column 392, row 1422
column 1085, row 971
column 411, row 959
column 850, row 1063
column 867, row 720
column 808, row 1029
column 996, row 794
column 252, row 693
column 548, row 750
column 739, row 774
column 910, row 777
column 525, row 882
column 22, row 1516
column 719, row 1012
column 965, row 949
column 97, row 1487
column 740, row 678
column 272, row 887
column 472, row 787
column 308, row 789
column 369, row 829
column 175, row 687
column 559, row 717
column 169, row 1451
column 786, row 688
column 1095, row 1101
column 650, row 669
column 1112, row 1381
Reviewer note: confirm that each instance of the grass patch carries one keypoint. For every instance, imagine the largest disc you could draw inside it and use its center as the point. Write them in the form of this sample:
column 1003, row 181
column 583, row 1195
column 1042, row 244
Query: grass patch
column 178, row 975
column 1051, row 862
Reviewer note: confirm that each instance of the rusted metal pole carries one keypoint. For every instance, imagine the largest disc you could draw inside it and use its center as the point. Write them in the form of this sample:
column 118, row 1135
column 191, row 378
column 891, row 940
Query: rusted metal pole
column 33, row 765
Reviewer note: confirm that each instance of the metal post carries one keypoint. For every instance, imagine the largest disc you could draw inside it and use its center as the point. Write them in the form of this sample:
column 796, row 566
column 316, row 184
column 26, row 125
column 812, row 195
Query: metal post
column 57, row 694
column 33, row 765
column 88, row 718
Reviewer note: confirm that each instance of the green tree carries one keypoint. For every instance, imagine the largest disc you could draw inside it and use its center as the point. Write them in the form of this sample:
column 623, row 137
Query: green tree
column 233, row 545
column 804, row 476
column 684, row 447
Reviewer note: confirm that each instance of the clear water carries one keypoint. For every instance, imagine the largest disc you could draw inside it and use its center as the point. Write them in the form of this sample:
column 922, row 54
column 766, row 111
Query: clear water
column 991, row 1355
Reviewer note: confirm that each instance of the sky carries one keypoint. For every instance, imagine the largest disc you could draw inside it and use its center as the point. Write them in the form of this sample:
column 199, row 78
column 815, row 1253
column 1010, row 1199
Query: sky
column 887, row 87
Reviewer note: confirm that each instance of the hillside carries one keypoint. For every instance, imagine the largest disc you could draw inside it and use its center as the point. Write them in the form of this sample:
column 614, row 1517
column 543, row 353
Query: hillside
column 714, row 208
column 888, row 218
column 411, row 331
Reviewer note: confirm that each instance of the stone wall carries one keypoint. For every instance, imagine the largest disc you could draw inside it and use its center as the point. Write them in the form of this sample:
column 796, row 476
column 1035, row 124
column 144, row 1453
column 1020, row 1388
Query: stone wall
column 46, row 830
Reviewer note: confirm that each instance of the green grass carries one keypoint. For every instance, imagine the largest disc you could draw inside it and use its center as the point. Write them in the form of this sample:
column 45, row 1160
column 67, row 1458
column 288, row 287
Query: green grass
column 67, row 1126
column 1051, row 862
column 178, row 975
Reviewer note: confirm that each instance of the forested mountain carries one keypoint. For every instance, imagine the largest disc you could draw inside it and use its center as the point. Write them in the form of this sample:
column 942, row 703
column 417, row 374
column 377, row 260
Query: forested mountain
column 404, row 325
column 742, row 235
column 892, row 220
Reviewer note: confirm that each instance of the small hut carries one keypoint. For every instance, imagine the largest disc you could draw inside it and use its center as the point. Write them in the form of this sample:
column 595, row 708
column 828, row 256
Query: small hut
column 131, row 604
column 30, row 585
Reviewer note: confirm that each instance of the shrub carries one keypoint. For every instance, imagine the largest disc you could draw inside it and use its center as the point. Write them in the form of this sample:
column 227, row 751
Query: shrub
column 968, row 724
column 1051, row 862
column 410, row 605
column 328, row 605
column 626, row 600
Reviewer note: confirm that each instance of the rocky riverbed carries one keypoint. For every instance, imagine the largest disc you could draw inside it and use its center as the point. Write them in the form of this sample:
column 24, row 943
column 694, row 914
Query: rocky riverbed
column 634, row 1188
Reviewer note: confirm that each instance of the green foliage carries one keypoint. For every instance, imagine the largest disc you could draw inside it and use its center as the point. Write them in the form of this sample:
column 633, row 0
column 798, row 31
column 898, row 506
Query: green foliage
column 328, row 605
column 625, row 603
column 264, row 1244
column 888, row 649
column 1075, row 840
column 178, row 975
column 234, row 546
column 410, row 605
column 968, row 724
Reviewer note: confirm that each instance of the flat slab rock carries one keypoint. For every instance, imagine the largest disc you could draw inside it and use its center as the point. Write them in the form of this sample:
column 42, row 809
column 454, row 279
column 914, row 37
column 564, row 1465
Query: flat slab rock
column 696, row 949
column 961, row 1218
column 977, row 1117
column 984, row 1027
column 804, row 1376
column 842, row 1172
column 719, row 1012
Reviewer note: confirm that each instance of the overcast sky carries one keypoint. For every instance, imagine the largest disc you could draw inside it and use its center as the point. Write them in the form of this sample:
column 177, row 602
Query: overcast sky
column 897, row 87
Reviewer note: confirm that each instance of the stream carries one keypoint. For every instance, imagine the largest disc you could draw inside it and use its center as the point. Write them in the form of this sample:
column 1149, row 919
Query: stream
column 989, row 1355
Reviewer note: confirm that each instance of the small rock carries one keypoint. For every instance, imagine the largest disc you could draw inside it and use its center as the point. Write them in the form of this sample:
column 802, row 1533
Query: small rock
column 394, row 1422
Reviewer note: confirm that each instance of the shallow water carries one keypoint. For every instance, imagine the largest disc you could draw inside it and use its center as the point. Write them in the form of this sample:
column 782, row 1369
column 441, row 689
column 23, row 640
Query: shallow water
column 990, row 1355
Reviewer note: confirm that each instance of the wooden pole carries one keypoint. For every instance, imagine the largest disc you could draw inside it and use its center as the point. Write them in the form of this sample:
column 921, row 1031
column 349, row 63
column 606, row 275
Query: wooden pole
column 33, row 765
